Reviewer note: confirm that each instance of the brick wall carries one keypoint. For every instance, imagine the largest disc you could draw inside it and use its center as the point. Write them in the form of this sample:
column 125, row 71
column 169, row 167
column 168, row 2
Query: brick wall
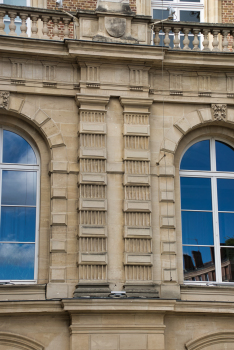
column 228, row 11
column 73, row 5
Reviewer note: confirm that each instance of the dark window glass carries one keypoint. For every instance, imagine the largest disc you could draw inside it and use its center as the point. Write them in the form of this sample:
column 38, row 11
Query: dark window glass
column 19, row 187
column 197, row 261
column 190, row 16
column 190, row 0
column 160, row 14
column 225, row 189
column 197, row 228
column 17, row 261
column 195, row 193
column 226, row 229
column 18, row 224
column 224, row 157
column 197, row 157
column 16, row 149
column 227, row 262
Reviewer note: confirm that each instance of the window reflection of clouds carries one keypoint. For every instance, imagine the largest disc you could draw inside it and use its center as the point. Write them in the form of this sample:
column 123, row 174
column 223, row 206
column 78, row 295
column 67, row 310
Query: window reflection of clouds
column 18, row 187
column 16, row 149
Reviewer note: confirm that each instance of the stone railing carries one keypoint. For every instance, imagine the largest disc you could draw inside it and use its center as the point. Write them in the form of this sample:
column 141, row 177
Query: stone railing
column 194, row 36
column 35, row 23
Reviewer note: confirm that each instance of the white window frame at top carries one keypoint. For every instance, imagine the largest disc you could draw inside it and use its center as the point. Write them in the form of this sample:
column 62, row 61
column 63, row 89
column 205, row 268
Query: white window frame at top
column 23, row 167
column 213, row 175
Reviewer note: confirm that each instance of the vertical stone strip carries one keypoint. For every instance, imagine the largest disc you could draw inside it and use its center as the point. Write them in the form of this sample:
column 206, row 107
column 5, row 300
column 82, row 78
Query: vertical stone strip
column 92, row 261
column 138, row 258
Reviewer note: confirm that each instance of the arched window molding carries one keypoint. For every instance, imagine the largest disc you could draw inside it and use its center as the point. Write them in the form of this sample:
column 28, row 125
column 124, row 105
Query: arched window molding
column 18, row 218
column 19, row 341
column 209, row 340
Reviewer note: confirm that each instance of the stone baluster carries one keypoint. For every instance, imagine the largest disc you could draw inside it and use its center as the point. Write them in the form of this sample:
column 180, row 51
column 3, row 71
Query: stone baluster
column 232, row 34
column 205, row 42
column 12, row 25
column 66, row 31
column 225, row 40
column 196, row 40
column 186, row 38
column 156, row 37
column 23, row 26
column 215, row 42
column 34, row 29
column 55, row 29
column 2, row 24
column 167, row 38
column 45, row 29
column 176, row 40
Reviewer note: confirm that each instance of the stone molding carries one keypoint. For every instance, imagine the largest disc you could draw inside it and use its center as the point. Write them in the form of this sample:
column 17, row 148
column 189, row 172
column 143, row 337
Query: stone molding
column 210, row 339
column 19, row 341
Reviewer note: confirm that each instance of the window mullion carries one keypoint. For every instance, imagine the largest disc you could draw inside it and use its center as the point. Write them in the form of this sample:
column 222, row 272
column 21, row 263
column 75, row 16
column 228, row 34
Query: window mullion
column 216, row 229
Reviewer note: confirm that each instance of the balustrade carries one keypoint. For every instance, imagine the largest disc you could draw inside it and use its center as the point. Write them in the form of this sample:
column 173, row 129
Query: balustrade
column 194, row 36
column 55, row 24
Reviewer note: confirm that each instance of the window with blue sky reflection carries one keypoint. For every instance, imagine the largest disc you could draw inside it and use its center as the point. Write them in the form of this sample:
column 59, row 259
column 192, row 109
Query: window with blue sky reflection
column 19, row 179
column 207, row 211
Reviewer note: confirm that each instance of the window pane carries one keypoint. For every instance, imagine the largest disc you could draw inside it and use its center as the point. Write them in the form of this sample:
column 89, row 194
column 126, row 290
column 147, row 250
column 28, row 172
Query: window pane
column 226, row 229
column 17, row 261
column 190, row 16
column 16, row 149
column 195, row 193
column 197, row 228
column 197, row 157
column 190, row 0
column 199, row 263
column 18, row 224
column 15, row 2
column 225, row 194
column 160, row 14
column 224, row 157
column 227, row 262
column 19, row 187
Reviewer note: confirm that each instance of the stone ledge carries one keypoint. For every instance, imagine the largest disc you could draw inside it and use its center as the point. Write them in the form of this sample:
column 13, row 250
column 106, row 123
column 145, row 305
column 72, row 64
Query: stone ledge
column 22, row 292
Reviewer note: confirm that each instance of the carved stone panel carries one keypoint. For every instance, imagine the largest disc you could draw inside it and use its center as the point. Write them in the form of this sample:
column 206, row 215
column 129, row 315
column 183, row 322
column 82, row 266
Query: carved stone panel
column 4, row 99
column 219, row 111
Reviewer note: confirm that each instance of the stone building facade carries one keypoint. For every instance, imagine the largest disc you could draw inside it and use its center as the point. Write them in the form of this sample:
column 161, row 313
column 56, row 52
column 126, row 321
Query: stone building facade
column 109, row 117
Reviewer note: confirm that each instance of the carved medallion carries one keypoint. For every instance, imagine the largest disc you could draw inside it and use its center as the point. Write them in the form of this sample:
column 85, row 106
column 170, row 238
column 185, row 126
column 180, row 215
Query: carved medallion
column 219, row 111
column 115, row 26
column 4, row 98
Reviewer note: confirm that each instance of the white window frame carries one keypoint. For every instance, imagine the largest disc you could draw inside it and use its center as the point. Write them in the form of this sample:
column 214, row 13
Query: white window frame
column 213, row 175
column 23, row 167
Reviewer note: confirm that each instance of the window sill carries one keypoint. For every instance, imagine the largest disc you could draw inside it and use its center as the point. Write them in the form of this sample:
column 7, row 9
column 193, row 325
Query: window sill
column 207, row 292
column 22, row 291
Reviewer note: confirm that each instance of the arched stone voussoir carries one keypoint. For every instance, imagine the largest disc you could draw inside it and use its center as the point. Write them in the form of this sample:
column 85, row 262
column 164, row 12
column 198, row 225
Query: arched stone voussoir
column 19, row 341
column 210, row 339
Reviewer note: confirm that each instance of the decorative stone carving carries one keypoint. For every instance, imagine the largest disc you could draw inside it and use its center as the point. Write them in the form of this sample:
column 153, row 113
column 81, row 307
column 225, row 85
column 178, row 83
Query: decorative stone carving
column 4, row 99
column 115, row 26
column 219, row 111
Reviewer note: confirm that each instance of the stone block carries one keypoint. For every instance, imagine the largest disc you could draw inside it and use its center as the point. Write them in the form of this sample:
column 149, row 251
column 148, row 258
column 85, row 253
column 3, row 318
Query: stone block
column 93, row 178
column 58, row 167
column 92, row 153
column 168, row 248
column 193, row 119
column 206, row 115
column 104, row 342
column 174, row 134
column 167, row 196
column 136, row 129
column 95, row 258
column 56, row 291
column 28, row 110
column 138, row 259
column 94, row 128
column 57, row 274
column 169, row 146
column 169, row 275
column 41, row 117
column 92, row 204
column 230, row 115
column 167, row 221
column 137, row 232
column 15, row 104
column 183, row 125
column 57, row 245
column 136, row 179
column 92, row 231
column 128, row 342
column 167, row 170
column 137, row 205
column 156, row 341
column 58, row 193
column 56, row 140
column 136, row 154
column 58, row 219
column 50, row 128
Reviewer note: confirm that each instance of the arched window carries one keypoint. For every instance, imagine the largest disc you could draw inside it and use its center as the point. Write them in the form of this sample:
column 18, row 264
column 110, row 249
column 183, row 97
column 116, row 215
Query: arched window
column 207, row 205
column 19, row 178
